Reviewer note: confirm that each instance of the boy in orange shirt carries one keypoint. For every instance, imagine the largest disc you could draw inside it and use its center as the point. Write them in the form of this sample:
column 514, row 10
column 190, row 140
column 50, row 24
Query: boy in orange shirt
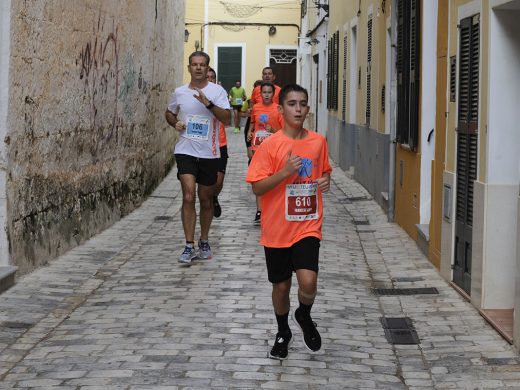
column 265, row 120
column 290, row 170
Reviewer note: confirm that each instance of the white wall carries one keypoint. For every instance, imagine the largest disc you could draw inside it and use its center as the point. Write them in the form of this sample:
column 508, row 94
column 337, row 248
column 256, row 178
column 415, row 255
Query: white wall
column 5, row 38
column 428, row 102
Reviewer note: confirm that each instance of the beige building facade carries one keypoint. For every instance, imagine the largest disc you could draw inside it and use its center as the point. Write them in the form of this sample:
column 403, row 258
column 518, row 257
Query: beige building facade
column 242, row 38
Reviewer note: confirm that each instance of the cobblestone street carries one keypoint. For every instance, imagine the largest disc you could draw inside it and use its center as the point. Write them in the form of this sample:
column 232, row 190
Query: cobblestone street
column 119, row 312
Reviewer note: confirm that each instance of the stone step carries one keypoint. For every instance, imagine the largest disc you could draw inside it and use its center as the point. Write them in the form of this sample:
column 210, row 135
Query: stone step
column 7, row 277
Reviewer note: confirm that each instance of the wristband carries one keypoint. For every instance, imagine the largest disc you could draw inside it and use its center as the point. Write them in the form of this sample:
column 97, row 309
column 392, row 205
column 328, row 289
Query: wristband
column 210, row 105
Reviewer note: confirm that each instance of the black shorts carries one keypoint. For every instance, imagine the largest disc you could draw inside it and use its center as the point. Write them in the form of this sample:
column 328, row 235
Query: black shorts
column 281, row 262
column 222, row 161
column 246, row 129
column 204, row 169
column 237, row 107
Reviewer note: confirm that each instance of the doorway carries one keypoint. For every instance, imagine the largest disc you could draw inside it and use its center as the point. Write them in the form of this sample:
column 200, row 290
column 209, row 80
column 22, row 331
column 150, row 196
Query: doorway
column 467, row 148
column 283, row 62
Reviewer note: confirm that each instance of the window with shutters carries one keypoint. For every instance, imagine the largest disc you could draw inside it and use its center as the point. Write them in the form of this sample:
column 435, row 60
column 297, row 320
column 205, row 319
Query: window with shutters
column 453, row 75
column 467, row 146
column 344, row 89
column 369, row 72
column 333, row 72
column 408, row 55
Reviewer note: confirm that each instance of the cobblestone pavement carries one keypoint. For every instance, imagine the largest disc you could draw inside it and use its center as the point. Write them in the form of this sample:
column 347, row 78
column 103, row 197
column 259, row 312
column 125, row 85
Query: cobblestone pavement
column 119, row 312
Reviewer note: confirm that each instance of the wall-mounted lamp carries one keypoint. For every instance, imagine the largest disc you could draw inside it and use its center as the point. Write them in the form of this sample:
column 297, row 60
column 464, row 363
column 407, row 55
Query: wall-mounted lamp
column 186, row 35
column 312, row 41
column 197, row 44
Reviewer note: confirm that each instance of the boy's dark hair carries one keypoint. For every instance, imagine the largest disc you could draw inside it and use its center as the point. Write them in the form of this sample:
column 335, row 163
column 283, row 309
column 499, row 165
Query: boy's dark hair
column 257, row 83
column 266, row 84
column 210, row 69
column 291, row 88
column 199, row 54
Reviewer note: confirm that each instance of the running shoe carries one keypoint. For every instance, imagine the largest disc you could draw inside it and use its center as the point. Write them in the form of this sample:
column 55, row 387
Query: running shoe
column 281, row 346
column 187, row 255
column 311, row 336
column 257, row 217
column 236, row 130
column 204, row 250
column 217, row 210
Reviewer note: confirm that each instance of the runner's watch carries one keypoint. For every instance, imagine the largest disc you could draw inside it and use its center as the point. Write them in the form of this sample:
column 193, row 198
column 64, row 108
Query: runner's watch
column 210, row 105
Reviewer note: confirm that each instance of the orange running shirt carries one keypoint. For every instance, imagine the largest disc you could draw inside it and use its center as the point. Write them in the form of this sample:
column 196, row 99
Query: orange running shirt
column 256, row 96
column 265, row 117
column 288, row 213
column 222, row 139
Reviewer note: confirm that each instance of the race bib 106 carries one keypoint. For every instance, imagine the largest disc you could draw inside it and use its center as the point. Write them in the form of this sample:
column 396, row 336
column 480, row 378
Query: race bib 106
column 301, row 202
column 197, row 127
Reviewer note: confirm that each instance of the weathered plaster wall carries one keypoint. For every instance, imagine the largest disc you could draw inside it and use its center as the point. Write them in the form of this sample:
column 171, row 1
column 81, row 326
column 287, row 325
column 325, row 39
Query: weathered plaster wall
column 88, row 85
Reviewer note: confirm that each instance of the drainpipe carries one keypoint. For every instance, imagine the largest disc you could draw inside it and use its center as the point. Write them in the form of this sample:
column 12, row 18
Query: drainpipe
column 393, row 122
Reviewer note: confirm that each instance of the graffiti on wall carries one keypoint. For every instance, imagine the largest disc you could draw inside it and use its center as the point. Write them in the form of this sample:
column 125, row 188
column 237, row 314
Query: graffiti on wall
column 99, row 71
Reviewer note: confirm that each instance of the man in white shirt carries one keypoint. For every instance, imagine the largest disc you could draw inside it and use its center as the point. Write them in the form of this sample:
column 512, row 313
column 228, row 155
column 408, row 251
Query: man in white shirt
column 195, row 111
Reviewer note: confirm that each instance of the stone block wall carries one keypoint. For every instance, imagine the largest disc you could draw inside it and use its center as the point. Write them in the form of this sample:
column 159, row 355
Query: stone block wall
column 85, row 139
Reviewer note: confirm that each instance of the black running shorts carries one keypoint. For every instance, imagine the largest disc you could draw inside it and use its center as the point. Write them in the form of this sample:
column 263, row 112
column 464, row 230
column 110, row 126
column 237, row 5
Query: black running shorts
column 222, row 161
column 237, row 107
column 204, row 169
column 281, row 262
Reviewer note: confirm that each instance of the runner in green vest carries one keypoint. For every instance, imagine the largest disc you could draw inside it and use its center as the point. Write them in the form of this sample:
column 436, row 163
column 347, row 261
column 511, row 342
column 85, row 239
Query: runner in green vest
column 237, row 97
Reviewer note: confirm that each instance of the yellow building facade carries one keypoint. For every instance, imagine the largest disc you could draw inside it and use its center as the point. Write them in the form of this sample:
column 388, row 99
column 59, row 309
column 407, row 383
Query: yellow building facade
column 242, row 38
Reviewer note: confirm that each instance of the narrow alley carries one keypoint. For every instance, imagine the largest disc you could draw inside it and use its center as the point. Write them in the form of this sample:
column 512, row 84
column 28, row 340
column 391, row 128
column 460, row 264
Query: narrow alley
column 119, row 312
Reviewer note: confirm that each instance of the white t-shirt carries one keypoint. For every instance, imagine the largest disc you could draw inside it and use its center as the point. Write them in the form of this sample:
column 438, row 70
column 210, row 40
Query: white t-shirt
column 200, row 139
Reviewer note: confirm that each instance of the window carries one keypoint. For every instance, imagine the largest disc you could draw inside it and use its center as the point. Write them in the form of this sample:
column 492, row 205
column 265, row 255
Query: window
column 229, row 66
column 453, row 75
column 332, row 75
column 369, row 72
column 344, row 90
column 304, row 8
column 408, row 28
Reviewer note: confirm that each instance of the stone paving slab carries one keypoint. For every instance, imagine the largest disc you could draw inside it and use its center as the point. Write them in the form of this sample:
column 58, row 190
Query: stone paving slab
column 119, row 312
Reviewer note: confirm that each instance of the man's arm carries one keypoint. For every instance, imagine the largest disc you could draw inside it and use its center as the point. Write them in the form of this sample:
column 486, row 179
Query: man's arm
column 222, row 114
column 173, row 121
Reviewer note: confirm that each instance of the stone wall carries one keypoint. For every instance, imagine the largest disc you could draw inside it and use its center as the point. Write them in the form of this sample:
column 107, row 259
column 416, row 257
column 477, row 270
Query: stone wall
column 86, row 138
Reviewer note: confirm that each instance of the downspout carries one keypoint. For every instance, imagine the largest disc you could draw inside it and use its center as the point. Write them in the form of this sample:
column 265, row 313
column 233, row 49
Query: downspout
column 393, row 122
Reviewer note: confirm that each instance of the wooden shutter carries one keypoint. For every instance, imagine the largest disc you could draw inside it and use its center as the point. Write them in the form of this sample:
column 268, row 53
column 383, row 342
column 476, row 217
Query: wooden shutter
column 344, row 89
column 467, row 138
column 408, row 72
column 329, row 75
column 336, row 71
column 402, row 74
column 369, row 72
column 415, row 16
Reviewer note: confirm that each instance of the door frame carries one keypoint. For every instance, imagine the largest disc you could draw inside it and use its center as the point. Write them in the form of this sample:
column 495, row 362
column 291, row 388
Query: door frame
column 268, row 49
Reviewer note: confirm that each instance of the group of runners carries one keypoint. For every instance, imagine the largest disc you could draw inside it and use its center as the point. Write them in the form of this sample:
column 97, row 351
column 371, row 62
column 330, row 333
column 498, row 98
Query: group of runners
column 288, row 171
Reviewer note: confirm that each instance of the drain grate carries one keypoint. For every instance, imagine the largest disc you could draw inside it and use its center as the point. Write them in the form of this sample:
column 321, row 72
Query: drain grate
column 163, row 218
column 402, row 336
column 15, row 325
column 357, row 198
column 408, row 279
column 361, row 222
column 399, row 330
column 405, row 291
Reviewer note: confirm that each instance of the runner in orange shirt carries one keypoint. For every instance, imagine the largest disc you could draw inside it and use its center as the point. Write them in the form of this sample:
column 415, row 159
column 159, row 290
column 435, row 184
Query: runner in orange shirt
column 222, row 161
column 265, row 120
column 290, row 170
column 268, row 75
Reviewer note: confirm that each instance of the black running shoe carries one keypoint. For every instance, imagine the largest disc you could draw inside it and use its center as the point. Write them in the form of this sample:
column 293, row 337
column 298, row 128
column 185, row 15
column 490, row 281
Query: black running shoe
column 311, row 336
column 217, row 210
column 281, row 346
column 257, row 217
